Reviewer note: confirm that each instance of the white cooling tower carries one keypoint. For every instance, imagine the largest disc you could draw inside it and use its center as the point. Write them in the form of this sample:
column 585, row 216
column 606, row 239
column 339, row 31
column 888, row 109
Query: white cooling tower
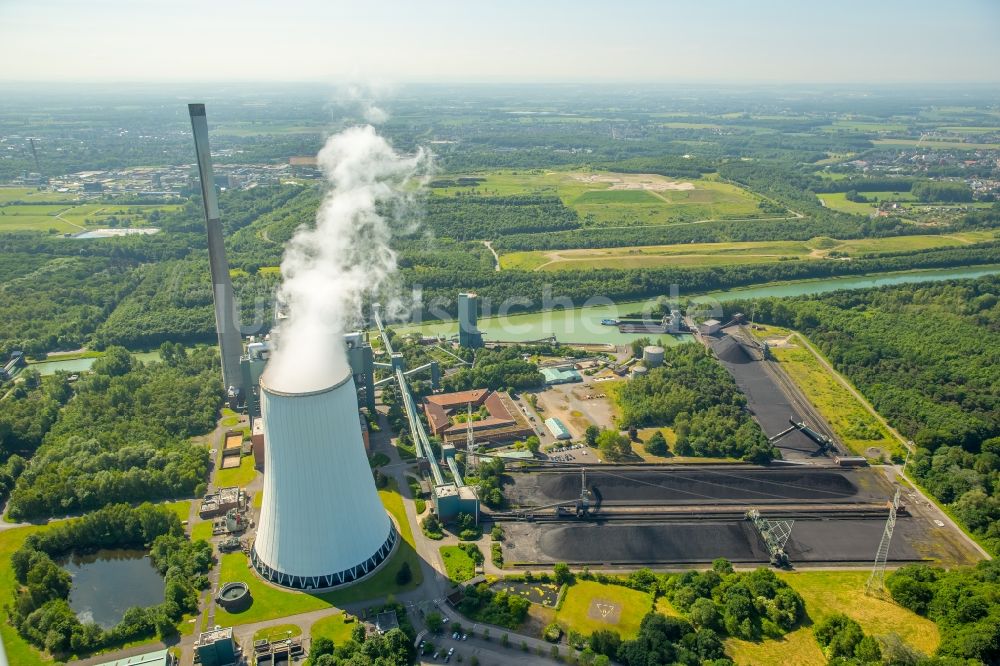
column 321, row 523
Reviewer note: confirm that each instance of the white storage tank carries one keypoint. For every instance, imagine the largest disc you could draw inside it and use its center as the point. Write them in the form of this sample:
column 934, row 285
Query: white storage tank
column 638, row 371
column 322, row 523
column 652, row 356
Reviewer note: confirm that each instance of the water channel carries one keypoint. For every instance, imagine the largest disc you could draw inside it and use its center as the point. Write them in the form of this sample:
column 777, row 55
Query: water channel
column 583, row 324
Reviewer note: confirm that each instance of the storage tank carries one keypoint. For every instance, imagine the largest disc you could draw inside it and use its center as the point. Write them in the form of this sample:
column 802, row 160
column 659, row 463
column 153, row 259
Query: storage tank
column 639, row 371
column 652, row 356
column 322, row 523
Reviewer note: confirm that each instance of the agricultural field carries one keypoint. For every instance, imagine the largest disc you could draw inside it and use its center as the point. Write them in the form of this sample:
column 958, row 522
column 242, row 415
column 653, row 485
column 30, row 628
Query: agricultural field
column 69, row 217
column 723, row 254
column 610, row 199
column 936, row 144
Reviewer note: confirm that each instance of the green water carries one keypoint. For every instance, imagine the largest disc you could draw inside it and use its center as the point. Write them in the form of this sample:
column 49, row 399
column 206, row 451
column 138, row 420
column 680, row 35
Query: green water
column 583, row 325
column 78, row 365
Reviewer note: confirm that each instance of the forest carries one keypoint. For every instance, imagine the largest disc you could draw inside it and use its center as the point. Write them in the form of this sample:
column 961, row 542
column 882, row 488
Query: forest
column 927, row 356
column 964, row 602
column 696, row 397
column 123, row 437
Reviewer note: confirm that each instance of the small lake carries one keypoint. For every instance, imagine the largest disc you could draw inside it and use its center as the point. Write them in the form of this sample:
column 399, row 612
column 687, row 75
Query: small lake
column 582, row 325
column 78, row 365
column 109, row 582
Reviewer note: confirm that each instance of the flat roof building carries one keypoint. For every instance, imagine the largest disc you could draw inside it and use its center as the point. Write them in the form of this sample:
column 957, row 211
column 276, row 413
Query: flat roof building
column 557, row 428
column 560, row 376
column 157, row 658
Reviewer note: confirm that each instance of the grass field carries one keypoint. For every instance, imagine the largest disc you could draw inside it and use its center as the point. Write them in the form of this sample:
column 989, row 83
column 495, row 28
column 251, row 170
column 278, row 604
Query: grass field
column 202, row 530
column 825, row 593
column 277, row 632
column 457, row 563
column 608, row 199
column 853, row 424
column 68, row 216
column 336, row 627
column 587, row 601
column 932, row 144
column 19, row 651
column 719, row 254
column 237, row 476
column 272, row 602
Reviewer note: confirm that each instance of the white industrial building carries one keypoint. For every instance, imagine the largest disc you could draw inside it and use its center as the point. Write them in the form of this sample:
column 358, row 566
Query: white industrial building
column 322, row 523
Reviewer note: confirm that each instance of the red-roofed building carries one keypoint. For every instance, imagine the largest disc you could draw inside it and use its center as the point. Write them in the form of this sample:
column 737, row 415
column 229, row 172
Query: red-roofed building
column 502, row 423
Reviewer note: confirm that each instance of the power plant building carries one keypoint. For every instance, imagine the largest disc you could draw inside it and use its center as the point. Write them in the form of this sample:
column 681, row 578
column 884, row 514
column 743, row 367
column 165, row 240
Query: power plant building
column 322, row 523
column 468, row 332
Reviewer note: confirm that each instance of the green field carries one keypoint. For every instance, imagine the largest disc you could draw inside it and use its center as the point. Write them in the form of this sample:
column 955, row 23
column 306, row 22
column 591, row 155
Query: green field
column 942, row 145
column 277, row 632
column 68, row 216
column 610, row 199
column 457, row 563
column 586, row 601
column 237, row 476
column 825, row 593
column 337, row 627
column 720, row 254
column 272, row 602
column 19, row 651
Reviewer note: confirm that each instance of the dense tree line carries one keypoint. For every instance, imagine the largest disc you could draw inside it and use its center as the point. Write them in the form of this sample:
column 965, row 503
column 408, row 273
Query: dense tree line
column 964, row 602
column 941, row 191
column 926, row 355
column 40, row 610
column 471, row 217
column 123, row 437
column 499, row 607
column 694, row 395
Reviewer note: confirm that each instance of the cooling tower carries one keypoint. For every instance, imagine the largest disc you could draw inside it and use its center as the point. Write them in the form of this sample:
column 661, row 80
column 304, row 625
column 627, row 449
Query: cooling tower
column 321, row 523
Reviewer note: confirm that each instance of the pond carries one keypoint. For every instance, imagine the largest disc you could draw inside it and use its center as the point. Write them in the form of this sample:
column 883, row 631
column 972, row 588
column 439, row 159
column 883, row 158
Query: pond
column 582, row 325
column 109, row 582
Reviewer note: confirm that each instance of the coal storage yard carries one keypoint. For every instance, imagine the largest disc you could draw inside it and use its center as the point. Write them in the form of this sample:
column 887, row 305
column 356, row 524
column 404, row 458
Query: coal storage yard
column 626, row 543
column 699, row 485
column 765, row 399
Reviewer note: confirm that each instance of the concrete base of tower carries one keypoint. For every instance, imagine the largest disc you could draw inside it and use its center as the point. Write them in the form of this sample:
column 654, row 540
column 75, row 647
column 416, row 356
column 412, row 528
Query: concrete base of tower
column 330, row 580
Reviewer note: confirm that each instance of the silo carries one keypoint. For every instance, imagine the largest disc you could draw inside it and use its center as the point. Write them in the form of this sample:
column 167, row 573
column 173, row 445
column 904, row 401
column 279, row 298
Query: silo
column 652, row 356
column 322, row 523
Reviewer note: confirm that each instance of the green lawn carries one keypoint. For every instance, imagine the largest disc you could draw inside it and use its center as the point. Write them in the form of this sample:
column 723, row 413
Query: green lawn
column 237, row 476
column 719, row 254
column 277, row 632
column 72, row 217
column 587, row 600
column 19, row 651
column 202, row 530
column 336, row 627
column 272, row 602
column 457, row 562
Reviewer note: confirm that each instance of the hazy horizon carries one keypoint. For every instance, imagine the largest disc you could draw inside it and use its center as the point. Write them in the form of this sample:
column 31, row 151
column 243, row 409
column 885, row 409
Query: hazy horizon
column 721, row 43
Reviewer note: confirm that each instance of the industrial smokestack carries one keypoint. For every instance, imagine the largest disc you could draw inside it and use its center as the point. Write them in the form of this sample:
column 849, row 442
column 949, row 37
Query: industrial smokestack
column 230, row 344
column 321, row 523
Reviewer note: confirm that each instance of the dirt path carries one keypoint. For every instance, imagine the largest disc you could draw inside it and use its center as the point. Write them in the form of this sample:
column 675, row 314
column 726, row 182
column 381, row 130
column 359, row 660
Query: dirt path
column 496, row 257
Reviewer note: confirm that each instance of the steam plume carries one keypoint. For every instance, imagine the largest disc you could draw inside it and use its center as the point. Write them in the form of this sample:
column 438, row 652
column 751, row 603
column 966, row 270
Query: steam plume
column 329, row 270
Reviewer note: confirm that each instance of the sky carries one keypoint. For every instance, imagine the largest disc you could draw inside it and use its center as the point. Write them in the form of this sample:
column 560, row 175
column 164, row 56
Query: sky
column 501, row 41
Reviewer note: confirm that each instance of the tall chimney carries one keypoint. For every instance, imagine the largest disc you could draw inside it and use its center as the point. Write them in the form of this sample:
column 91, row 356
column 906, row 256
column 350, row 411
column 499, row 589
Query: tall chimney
column 230, row 344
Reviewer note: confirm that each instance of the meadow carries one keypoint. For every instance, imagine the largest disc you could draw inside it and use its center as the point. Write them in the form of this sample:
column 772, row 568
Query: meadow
column 720, row 254
column 610, row 199
column 65, row 214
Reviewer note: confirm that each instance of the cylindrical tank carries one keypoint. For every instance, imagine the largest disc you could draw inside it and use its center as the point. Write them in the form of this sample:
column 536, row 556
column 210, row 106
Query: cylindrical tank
column 322, row 523
column 652, row 356
column 639, row 371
